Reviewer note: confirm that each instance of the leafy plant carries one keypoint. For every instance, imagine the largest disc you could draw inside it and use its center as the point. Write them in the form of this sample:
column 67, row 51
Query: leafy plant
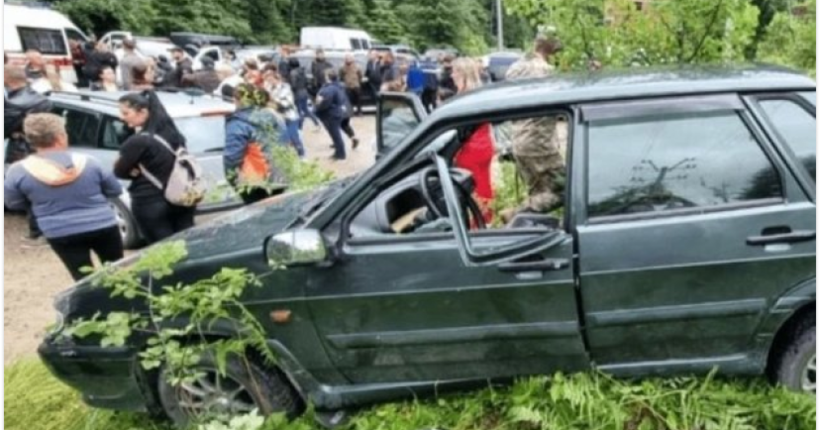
column 618, row 34
column 179, row 346
column 791, row 39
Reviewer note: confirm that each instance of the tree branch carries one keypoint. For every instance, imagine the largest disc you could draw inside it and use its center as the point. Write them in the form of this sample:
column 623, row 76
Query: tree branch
column 706, row 31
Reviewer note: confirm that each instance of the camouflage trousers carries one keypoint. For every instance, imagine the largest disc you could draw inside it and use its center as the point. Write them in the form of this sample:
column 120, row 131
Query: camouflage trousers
column 537, row 149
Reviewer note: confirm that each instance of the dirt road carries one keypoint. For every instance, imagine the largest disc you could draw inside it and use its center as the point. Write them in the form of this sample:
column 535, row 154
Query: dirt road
column 33, row 275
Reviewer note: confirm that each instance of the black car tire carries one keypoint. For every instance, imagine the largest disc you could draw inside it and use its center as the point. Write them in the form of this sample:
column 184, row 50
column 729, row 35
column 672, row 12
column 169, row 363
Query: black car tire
column 129, row 230
column 268, row 390
column 792, row 368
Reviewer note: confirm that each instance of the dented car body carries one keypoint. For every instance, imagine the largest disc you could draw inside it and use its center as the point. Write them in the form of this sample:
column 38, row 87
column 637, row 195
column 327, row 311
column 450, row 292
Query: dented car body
column 652, row 287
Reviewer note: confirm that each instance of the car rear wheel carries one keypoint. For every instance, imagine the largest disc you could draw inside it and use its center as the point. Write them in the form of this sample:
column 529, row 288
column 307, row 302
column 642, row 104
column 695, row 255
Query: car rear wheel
column 796, row 366
column 128, row 226
column 245, row 386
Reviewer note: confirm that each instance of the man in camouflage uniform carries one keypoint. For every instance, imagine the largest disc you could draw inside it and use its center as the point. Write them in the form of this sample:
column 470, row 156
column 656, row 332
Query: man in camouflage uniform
column 536, row 142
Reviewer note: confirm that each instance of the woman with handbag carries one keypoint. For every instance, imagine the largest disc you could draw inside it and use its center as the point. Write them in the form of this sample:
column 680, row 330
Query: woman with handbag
column 148, row 159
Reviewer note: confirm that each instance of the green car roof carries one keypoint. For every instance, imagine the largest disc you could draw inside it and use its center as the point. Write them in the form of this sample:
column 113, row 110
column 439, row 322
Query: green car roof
column 632, row 83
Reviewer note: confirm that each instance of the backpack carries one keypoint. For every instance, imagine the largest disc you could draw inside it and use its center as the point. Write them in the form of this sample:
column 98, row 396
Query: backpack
column 185, row 186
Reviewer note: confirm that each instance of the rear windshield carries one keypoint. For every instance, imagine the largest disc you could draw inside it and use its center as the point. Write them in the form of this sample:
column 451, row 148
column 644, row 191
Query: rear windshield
column 48, row 42
column 203, row 134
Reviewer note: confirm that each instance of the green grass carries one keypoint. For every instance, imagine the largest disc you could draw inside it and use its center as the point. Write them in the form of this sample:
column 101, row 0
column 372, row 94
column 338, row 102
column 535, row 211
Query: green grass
column 35, row 400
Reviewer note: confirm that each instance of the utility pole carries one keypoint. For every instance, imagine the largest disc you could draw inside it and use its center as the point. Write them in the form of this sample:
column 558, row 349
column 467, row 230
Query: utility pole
column 500, row 18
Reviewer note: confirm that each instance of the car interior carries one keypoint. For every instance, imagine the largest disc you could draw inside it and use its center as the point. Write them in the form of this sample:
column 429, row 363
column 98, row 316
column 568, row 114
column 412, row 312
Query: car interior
column 414, row 203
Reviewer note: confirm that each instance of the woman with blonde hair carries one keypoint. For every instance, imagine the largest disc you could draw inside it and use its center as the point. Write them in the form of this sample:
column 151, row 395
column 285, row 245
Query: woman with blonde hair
column 52, row 81
column 476, row 155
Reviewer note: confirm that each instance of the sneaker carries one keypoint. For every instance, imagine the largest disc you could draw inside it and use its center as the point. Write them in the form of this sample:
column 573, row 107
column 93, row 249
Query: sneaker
column 317, row 129
column 355, row 143
column 33, row 242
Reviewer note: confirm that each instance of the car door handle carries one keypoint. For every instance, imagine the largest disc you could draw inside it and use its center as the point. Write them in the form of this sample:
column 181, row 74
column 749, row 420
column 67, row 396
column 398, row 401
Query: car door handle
column 791, row 237
column 547, row 265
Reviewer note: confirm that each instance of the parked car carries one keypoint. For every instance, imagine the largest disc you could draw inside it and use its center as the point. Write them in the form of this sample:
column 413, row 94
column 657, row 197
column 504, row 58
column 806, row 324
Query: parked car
column 29, row 25
column 94, row 128
column 337, row 60
column 706, row 260
column 498, row 63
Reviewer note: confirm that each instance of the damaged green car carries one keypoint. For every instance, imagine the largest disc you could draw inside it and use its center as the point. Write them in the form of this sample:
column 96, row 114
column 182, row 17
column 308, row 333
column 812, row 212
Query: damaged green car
column 686, row 243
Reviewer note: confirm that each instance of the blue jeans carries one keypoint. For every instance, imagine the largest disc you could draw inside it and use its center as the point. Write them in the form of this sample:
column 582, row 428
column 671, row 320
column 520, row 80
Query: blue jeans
column 334, row 129
column 293, row 136
column 304, row 111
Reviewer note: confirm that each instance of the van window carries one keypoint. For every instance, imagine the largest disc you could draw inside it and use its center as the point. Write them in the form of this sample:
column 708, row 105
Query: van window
column 73, row 34
column 355, row 44
column 48, row 42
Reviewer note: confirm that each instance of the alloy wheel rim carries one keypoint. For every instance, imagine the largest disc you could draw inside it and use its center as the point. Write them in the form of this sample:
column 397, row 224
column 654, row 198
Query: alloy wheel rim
column 121, row 222
column 213, row 395
column 809, row 380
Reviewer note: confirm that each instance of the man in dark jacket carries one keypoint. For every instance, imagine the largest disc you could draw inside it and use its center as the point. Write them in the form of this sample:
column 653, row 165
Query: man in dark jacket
column 98, row 59
column 299, row 86
column 373, row 73
column 284, row 63
column 319, row 68
column 446, row 81
column 19, row 103
column 206, row 79
column 331, row 107
column 183, row 67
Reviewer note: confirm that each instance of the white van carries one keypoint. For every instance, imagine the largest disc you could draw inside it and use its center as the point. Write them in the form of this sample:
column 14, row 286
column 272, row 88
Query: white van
column 39, row 27
column 335, row 38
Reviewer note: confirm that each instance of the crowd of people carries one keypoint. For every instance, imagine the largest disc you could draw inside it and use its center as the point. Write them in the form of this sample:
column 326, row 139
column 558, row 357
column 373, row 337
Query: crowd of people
column 67, row 194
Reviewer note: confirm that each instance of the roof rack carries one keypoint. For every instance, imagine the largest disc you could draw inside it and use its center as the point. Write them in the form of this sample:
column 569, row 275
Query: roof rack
column 31, row 4
column 86, row 96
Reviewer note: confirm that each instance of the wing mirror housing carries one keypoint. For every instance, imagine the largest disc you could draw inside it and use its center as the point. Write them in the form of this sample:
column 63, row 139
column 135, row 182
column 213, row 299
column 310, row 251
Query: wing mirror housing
column 295, row 248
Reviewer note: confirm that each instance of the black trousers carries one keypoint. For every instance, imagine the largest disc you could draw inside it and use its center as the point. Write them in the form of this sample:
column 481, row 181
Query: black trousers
column 254, row 195
column 348, row 129
column 75, row 250
column 159, row 219
column 355, row 96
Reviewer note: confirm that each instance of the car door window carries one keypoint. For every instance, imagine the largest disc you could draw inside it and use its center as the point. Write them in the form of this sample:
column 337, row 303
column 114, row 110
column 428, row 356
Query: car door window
column 796, row 127
column 114, row 134
column 677, row 161
column 81, row 127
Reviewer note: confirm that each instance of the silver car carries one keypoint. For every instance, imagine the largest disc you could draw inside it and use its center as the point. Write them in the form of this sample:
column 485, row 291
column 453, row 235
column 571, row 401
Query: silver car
column 94, row 128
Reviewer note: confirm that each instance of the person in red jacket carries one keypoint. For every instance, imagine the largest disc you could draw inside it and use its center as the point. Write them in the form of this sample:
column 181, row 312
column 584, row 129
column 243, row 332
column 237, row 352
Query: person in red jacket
column 476, row 155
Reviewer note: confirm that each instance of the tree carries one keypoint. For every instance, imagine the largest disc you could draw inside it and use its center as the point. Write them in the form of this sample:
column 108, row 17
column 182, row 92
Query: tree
column 384, row 23
column 617, row 33
column 101, row 16
column 791, row 40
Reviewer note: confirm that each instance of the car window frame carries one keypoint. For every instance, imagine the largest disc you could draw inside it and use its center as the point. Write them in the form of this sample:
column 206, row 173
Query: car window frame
column 343, row 218
column 670, row 105
column 100, row 116
column 62, row 35
column 781, row 146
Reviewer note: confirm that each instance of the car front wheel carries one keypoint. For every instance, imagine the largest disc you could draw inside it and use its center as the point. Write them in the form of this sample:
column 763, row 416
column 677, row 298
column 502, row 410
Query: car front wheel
column 127, row 225
column 796, row 367
column 244, row 387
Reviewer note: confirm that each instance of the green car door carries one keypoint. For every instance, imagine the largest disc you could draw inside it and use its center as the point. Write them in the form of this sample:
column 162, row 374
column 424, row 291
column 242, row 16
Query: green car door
column 690, row 228
column 408, row 309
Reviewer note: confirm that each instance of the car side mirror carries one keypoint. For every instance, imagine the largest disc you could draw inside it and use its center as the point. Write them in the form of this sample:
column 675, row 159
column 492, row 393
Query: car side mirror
column 295, row 248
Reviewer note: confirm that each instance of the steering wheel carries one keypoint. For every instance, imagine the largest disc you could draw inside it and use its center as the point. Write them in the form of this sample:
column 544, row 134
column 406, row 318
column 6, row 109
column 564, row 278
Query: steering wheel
column 436, row 203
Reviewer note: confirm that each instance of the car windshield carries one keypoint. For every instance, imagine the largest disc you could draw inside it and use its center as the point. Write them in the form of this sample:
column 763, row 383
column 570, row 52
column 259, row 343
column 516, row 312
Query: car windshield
column 203, row 134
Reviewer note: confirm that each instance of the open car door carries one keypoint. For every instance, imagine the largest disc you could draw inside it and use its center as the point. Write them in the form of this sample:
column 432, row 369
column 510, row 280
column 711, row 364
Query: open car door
column 397, row 114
